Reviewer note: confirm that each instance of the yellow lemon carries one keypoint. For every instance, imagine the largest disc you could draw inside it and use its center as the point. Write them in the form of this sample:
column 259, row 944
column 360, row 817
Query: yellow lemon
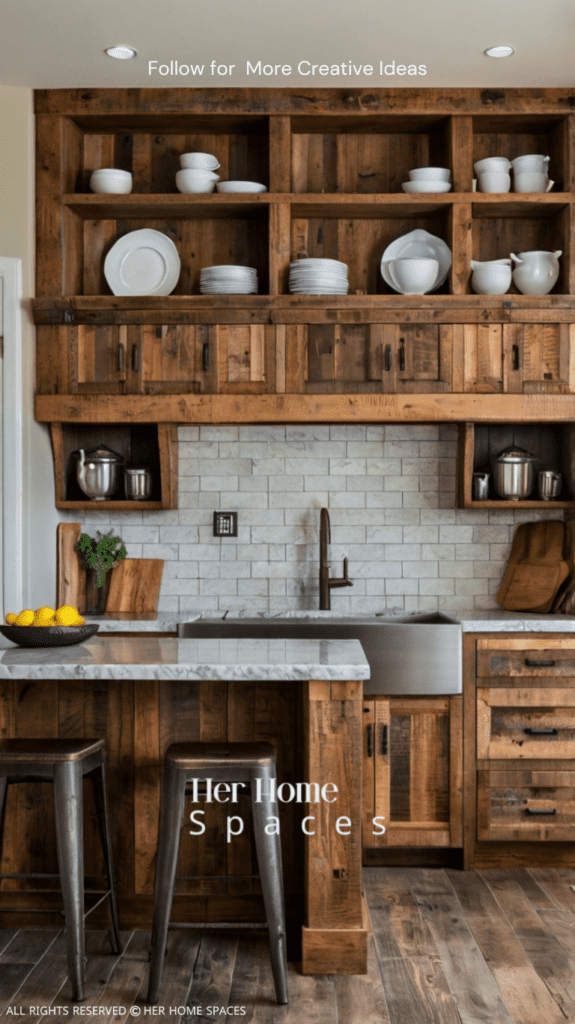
column 25, row 618
column 44, row 616
column 79, row 621
column 66, row 615
column 11, row 618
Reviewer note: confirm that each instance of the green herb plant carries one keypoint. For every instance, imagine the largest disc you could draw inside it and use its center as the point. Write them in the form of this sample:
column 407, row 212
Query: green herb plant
column 102, row 554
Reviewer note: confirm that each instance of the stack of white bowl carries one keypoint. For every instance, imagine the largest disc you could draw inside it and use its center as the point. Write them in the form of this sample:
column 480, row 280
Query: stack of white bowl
column 228, row 280
column 530, row 173
column 428, row 179
column 318, row 277
column 197, row 173
column 111, row 181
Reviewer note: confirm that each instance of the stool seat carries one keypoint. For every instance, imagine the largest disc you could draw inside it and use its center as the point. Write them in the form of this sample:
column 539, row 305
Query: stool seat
column 48, row 749
column 223, row 762
column 65, row 763
column 199, row 757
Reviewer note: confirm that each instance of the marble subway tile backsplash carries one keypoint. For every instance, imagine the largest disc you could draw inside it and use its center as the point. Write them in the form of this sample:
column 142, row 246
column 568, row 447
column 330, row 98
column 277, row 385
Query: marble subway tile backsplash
column 390, row 491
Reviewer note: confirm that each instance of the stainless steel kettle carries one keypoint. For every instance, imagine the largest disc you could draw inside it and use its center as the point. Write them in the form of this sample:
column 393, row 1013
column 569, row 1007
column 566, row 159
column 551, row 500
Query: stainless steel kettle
column 514, row 473
column 97, row 472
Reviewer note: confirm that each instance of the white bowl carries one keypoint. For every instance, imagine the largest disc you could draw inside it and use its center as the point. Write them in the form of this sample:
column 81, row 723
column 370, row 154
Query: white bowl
column 532, row 181
column 491, row 278
column 430, row 174
column 191, row 181
column 240, row 186
column 111, row 181
column 530, row 162
column 202, row 161
column 413, row 276
column 494, row 182
column 426, row 186
column 492, row 164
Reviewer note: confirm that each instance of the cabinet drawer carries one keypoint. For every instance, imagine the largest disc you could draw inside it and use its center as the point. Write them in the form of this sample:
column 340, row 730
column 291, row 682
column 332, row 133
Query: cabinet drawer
column 526, row 805
column 525, row 723
column 528, row 662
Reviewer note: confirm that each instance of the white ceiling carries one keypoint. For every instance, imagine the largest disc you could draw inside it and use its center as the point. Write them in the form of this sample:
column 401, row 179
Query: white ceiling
column 54, row 44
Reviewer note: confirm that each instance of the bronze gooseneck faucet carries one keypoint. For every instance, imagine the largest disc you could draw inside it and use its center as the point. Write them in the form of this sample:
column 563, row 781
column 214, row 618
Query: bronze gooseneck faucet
column 325, row 583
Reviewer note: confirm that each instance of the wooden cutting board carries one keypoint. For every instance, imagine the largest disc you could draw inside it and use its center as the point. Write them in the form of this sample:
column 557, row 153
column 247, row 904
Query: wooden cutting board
column 70, row 572
column 134, row 582
column 135, row 585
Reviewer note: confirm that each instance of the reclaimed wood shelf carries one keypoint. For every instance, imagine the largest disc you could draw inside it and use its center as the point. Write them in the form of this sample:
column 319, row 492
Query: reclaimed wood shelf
column 479, row 444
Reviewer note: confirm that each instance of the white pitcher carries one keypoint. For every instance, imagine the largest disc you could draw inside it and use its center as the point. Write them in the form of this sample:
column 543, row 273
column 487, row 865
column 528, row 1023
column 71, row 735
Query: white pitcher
column 536, row 272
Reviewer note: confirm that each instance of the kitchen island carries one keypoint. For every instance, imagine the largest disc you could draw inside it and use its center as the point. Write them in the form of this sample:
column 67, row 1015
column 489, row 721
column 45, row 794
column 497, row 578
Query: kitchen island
column 143, row 693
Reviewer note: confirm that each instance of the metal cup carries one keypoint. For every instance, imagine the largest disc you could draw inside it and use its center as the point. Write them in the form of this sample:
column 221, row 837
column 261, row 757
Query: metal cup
column 549, row 484
column 137, row 483
column 481, row 486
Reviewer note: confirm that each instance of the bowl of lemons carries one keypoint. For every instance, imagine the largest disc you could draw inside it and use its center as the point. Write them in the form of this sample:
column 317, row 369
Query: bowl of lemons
column 47, row 627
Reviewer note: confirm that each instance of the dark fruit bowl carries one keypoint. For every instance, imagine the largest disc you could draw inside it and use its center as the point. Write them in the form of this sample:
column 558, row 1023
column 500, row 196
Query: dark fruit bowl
column 48, row 636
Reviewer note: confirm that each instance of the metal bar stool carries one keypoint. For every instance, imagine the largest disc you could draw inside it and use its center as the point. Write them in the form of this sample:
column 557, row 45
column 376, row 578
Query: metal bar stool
column 221, row 762
column 65, row 762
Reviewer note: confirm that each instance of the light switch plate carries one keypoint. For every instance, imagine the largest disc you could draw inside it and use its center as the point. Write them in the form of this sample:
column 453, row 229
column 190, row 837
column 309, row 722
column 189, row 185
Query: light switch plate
column 225, row 524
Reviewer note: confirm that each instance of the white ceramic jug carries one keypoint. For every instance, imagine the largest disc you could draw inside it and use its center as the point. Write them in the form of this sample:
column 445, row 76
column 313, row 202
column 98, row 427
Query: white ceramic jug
column 536, row 272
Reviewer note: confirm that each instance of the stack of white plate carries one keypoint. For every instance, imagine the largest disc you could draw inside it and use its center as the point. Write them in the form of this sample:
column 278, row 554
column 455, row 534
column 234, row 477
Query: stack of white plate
column 228, row 280
column 318, row 277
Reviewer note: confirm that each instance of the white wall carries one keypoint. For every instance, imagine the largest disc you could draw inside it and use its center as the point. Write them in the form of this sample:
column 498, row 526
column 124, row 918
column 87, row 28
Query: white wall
column 17, row 241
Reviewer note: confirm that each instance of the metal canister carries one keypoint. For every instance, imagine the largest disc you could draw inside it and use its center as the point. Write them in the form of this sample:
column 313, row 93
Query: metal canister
column 137, row 483
column 481, row 486
column 514, row 473
column 550, row 484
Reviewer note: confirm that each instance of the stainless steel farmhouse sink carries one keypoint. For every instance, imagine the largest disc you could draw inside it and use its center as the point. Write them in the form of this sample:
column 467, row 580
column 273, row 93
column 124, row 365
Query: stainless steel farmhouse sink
column 414, row 655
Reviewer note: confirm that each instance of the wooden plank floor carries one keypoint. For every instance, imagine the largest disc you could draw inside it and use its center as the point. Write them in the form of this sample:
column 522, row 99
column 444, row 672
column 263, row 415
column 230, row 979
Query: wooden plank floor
column 448, row 947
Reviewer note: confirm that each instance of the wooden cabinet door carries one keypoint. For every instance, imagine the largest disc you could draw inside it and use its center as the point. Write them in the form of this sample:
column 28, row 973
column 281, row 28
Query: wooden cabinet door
column 413, row 771
column 415, row 358
column 99, row 359
column 533, row 805
column 171, row 358
column 478, row 358
column 538, row 358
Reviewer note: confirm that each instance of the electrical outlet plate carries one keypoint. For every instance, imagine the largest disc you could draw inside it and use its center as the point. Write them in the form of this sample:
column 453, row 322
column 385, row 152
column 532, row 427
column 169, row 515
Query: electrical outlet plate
column 225, row 524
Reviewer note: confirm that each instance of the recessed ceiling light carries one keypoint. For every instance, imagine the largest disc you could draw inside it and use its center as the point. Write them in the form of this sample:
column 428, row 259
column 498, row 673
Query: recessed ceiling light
column 121, row 52
column 499, row 51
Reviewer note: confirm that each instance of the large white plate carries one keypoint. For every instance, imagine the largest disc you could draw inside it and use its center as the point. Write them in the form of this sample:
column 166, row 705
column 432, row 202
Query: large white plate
column 142, row 262
column 418, row 243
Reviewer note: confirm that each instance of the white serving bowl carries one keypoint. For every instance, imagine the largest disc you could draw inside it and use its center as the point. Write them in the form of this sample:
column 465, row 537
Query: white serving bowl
column 240, row 186
column 530, row 162
column 430, row 174
column 426, row 186
column 111, row 181
column 200, row 161
column 413, row 275
column 492, row 277
column 191, row 181
column 494, row 181
column 532, row 181
column 492, row 165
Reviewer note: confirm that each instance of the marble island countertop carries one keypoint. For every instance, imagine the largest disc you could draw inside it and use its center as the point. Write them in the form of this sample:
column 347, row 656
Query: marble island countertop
column 166, row 658
column 496, row 621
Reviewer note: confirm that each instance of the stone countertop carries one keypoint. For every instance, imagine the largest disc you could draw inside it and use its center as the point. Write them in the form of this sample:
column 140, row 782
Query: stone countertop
column 497, row 621
column 166, row 658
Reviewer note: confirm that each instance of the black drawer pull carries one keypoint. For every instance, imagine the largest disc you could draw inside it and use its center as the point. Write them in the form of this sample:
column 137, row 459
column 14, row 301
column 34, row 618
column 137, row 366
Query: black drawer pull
column 369, row 738
column 541, row 732
column 516, row 360
column 206, row 356
column 120, row 357
column 402, row 354
column 539, row 664
column 135, row 358
column 384, row 743
column 541, row 810
column 387, row 362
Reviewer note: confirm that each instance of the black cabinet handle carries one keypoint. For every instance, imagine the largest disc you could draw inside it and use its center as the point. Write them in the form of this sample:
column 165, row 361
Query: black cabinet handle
column 515, row 357
column 531, row 663
column 387, row 362
column 120, row 357
column 135, row 358
column 206, row 356
column 384, row 742
column 369, row 740
column 541, row 732
column 402, row 354
column 542, row 810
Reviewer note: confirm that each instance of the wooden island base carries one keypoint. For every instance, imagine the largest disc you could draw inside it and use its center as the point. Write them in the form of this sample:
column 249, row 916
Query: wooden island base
column 316, row 728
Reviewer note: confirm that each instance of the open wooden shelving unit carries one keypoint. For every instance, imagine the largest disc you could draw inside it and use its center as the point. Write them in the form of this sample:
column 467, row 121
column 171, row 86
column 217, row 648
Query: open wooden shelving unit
column 333, row 161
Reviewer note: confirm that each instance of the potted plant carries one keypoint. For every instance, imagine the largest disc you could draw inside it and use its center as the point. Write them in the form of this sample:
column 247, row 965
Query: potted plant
column 99, row 555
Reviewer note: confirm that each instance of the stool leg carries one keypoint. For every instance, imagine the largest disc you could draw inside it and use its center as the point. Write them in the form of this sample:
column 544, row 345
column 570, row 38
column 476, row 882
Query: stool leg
column 270, row 867
column 69, row 834
column 171, row 820
column 98, row 780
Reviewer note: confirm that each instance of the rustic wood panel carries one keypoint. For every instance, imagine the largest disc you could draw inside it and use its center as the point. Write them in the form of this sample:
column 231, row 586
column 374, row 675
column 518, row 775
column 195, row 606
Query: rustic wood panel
column 536, row 806
column 70, row 571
